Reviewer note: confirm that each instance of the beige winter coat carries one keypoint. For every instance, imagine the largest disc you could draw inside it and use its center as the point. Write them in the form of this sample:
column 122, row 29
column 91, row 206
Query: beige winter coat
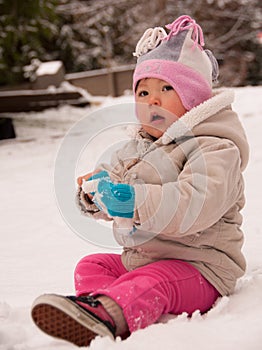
column 189, row 191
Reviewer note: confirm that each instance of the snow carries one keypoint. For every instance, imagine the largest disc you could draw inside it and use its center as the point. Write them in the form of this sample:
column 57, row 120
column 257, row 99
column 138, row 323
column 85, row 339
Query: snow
column 39, row 251
column 51, row 67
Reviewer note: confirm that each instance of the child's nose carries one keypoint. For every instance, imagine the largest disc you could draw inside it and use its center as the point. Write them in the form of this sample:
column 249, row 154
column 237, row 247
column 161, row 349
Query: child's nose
column 154, row 100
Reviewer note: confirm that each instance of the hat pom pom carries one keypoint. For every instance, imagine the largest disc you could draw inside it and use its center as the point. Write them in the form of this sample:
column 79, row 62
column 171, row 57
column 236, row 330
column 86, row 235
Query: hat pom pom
column 215, row 67
column 185, row 23
column 149, row 40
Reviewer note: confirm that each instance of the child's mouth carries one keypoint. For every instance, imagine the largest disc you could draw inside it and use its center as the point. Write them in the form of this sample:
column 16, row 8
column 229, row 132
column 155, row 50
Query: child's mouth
column 156, row 118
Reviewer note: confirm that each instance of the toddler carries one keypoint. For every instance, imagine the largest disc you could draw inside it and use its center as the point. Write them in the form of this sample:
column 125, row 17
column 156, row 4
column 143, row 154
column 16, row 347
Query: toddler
column 174, row 193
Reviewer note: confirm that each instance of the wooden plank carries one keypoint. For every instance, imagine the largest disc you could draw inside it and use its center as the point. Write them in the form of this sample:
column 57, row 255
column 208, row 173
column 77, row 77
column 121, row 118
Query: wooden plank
column 37, row 100
column 103, row 82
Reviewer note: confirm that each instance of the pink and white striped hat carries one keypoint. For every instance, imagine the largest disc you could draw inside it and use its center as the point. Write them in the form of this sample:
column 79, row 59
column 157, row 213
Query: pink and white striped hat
column 179, row 59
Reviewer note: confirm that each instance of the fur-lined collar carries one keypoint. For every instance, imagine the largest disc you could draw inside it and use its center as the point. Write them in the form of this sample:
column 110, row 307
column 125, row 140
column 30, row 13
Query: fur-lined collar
column 220, row 100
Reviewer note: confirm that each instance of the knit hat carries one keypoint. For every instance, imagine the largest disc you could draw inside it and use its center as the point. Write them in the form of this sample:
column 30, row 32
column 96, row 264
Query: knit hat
column 179, row 59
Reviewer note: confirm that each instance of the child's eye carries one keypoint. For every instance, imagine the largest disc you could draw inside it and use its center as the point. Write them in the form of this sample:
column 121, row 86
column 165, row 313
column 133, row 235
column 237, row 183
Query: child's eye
column 167, row 88
column 142, row 93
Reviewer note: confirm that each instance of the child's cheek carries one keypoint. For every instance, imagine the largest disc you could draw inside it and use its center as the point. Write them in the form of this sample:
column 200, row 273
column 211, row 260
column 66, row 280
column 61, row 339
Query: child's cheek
column 141, row 110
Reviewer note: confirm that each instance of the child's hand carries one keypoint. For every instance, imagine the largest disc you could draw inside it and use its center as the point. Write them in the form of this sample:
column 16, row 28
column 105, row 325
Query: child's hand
column 114, row 199
column 86, row 177
column 90, row 179
column 80, row 179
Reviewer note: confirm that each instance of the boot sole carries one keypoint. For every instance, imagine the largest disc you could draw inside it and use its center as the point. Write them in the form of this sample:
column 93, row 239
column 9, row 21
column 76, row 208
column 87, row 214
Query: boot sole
column 61, row 318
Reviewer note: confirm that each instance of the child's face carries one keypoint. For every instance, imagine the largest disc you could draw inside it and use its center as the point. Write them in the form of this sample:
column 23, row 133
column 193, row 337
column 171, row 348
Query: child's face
column 158, row 106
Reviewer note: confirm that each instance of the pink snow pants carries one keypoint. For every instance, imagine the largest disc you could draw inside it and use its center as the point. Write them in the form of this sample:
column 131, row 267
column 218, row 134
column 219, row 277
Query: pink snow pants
column 146, row 293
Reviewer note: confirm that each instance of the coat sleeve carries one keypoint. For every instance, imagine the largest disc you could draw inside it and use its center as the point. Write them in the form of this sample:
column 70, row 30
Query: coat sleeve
column 206, row 188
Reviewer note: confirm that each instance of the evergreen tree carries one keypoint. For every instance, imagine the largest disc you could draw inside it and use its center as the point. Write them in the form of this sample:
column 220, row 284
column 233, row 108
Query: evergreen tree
column 28, row 29
column 105, row 33
column 91, row 34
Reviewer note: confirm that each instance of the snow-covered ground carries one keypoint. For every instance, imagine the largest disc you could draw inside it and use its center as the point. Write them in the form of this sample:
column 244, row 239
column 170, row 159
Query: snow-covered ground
column 38, row 250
